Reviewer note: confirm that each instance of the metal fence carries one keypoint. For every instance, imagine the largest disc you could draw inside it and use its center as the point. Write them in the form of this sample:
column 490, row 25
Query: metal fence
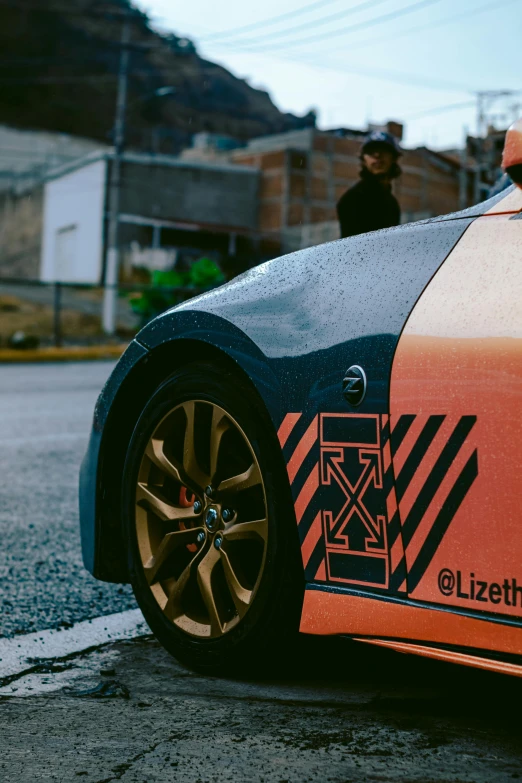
column 39, row 313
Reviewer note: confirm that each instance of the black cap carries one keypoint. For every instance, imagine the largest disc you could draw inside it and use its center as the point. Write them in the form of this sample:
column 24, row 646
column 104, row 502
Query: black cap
column 381, row 137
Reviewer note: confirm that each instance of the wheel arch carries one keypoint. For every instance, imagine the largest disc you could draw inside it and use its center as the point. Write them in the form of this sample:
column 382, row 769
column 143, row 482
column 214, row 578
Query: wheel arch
column 139, row 384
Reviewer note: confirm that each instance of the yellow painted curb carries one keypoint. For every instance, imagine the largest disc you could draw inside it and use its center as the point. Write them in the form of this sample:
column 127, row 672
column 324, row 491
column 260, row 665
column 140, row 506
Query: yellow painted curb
column 73, row 354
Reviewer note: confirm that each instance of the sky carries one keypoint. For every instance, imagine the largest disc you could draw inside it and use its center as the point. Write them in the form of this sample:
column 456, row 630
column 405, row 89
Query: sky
column 355, row 61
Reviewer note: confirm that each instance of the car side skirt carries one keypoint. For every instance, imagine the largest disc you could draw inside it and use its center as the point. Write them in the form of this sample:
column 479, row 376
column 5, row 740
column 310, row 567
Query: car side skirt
column 328, row 612
column 448, row 656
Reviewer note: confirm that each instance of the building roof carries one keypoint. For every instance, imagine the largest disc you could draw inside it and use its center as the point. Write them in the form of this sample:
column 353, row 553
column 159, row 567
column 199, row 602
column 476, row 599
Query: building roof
column 146, row 160
column 26, row 156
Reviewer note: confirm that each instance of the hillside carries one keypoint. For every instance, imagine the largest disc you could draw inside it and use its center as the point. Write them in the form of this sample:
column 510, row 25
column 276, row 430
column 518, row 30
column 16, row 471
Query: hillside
column 58, row 71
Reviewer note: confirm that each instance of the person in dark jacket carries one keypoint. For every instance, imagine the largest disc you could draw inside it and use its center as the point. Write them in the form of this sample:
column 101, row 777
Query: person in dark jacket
column 370, row 204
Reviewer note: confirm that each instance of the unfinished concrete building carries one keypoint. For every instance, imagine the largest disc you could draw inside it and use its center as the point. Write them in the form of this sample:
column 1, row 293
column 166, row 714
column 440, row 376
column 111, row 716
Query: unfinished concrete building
column 304, row 173
column 55, row 229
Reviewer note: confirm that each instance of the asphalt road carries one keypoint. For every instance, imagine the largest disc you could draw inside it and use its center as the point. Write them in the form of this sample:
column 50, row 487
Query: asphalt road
column 45, row 416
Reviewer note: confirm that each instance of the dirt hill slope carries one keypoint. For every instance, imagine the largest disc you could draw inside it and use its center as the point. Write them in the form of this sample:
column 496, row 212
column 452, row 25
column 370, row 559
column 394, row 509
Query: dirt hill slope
column 58, row 71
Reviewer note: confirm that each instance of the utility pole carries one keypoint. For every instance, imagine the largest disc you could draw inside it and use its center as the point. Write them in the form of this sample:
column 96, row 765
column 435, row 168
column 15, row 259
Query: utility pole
column 477, row 189
column 110, row 291
column 484, row 100
column 463, row 173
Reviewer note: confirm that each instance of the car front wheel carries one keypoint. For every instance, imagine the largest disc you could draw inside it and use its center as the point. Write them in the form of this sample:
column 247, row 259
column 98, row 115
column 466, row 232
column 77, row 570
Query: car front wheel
column 210, row 529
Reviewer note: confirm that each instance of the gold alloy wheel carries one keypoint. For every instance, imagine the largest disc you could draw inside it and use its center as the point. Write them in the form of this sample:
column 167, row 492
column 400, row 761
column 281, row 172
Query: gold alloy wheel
column 201, row 519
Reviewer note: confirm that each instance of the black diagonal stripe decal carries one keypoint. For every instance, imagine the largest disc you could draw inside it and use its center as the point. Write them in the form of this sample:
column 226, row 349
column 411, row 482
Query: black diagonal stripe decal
column 436, row 477
column 417, row 454
column 385, row 433
column 394, row 524
column 316, row 557
column 394, row 529
column 307, row 520
column 304, row 471
column 396, row 437
column 388, row 474
column 450, row 507
column 399, row 431
column 295, row 436
column 388, row 480
column 398, row 576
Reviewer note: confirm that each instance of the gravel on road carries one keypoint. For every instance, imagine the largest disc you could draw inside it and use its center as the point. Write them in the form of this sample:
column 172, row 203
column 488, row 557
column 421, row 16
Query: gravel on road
column 45, row 417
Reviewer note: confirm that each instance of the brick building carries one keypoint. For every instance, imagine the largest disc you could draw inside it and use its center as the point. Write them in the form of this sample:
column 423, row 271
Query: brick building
column 305, row 172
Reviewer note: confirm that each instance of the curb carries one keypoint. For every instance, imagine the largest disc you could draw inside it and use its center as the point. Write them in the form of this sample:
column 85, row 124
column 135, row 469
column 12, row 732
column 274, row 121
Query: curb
column 22, row 654
column 73, row 354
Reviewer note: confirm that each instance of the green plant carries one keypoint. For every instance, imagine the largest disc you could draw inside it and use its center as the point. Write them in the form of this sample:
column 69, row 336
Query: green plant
column 205, row 273
column 202, row 275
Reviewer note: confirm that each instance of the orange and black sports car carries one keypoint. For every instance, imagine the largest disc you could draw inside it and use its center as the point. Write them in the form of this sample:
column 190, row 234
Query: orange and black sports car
column 331, row 442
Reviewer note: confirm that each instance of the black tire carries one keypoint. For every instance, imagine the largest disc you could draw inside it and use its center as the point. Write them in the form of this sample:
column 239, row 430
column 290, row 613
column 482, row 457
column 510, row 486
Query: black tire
column 264, row 637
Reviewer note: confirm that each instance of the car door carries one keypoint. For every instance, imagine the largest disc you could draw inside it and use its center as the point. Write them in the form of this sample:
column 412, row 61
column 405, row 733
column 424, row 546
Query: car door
column 456, row 425
column 343, row 332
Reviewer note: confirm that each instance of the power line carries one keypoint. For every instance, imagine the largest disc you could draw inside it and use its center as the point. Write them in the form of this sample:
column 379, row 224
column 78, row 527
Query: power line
column 441, row 109
column 404, row 78
column 270, row 20
column 316, row 22
column 392, row 76
column 463, row 105
column 430, row 25
column 376, row 73
column 397, row 77
column 385, row 74
column 345, row 30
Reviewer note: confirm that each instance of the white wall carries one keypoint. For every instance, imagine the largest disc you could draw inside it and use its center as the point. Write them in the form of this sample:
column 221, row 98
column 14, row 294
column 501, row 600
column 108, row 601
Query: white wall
column 74, row 204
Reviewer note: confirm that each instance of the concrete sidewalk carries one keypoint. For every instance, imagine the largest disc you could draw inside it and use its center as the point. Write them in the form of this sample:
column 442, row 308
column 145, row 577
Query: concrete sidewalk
column 128, row 712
